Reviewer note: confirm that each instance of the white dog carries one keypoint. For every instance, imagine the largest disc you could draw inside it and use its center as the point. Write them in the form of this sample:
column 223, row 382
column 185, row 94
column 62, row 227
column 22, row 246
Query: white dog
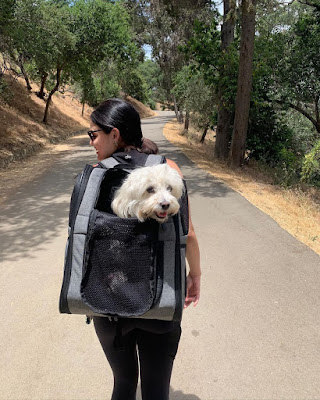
column 149, row 192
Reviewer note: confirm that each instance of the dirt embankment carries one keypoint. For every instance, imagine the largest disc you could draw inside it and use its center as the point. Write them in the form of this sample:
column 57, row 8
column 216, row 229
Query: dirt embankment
column 21, row 112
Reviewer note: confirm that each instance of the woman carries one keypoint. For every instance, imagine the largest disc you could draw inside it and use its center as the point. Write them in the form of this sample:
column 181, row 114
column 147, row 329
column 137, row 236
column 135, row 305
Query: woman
column 115, row 126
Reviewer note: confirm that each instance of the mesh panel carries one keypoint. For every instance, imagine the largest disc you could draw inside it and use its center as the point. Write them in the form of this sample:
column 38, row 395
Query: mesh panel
column 184, row 211
column 120, row 276
column 111, row 181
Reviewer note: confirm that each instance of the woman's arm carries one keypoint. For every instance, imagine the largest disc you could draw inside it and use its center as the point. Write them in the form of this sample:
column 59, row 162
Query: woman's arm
column 193, row 257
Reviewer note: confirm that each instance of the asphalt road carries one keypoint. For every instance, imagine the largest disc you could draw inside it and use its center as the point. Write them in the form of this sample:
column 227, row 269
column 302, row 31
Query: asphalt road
column 254, row 335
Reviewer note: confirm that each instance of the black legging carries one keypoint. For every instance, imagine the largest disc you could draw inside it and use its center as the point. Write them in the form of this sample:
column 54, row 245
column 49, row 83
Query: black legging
column 157, row 344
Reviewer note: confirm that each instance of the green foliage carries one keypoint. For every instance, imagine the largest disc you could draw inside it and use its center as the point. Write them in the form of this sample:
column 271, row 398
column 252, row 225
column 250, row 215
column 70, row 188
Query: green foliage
column 289, row 51
column 151, row 73
column 284, row 75
column 6, row 17
column 195, row 96
column 4, row 90
column 218, row 68
column 109, row 56
column 70, row 39
column 133, row 84
column 169, row 26
column 304, row 134
column 103, row 83
column 311, row 165
column 204, row 48
column 268, row 137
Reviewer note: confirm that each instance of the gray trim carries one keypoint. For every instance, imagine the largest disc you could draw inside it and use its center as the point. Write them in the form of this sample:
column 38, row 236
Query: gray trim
column 91, row 193
column 109, row 162
column 75, row 303
column 153, row 159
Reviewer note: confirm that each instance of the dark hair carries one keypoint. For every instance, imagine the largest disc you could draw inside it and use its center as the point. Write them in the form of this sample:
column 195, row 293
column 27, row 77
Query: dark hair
column 120, row 114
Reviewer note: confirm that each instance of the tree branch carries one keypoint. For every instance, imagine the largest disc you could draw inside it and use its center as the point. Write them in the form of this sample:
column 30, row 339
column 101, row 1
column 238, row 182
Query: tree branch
column 315, row 122
column 303, row 112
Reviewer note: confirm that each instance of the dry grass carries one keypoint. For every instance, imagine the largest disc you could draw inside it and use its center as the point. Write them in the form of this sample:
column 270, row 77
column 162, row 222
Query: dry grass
column 25, row 142
column 295, row 210
column 22, row 131
column 144, row 111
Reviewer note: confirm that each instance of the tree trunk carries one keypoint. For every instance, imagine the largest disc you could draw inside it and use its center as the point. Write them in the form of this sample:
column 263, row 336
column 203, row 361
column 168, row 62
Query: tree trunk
column 221, row 149
column 45, row 118
column 204, row 134
column 186, row 121
column 82, row 112
column 180, row 116
column 23, row 71
column 248, row 11
column 43, row 82
column 176, row 109
column 223, row 133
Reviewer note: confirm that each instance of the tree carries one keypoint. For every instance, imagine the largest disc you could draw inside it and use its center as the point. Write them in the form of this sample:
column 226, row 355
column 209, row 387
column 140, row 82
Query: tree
column 6, row 16
column 195, row 97
column 109, row 55
column 170, row 28
column 225, row 107
column 299, row 76
column 25, row 35
column 242, row 105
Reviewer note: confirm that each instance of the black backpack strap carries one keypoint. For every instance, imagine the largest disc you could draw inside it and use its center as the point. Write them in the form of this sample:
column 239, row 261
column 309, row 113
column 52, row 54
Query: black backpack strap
column 133, row 157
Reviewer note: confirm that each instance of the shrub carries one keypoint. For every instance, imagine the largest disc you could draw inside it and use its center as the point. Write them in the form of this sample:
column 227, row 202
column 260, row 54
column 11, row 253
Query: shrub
column 311, row 166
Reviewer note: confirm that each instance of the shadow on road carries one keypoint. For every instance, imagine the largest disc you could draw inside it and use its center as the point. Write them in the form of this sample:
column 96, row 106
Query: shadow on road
column 175, row 395
column 34, row 215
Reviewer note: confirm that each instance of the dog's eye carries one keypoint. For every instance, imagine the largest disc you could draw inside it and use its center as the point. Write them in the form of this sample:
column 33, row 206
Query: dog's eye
column 169, row 188
column 150, row 189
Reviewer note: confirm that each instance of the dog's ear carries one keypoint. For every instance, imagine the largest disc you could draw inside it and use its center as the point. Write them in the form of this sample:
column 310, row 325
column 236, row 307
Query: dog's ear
column 176, row 182
column 119, row 204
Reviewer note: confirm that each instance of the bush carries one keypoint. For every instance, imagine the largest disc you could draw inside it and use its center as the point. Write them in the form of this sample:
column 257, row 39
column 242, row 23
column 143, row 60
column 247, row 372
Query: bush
column 268, row 137
column 5, row 92
column 151, row 104
column 288, row 169
column 311, row 166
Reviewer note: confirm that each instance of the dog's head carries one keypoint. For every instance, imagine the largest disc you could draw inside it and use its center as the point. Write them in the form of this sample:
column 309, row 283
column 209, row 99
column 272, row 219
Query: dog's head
column 149, row 192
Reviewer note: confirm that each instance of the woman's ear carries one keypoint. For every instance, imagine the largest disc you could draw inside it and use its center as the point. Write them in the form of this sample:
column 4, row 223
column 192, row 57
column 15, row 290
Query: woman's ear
column 115, row 134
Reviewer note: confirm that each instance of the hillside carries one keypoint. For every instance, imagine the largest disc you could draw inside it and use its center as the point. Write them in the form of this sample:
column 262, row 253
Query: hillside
column 21, row 113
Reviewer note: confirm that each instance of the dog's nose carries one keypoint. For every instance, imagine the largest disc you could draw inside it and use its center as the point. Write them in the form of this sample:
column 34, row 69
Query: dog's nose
column 165, row 205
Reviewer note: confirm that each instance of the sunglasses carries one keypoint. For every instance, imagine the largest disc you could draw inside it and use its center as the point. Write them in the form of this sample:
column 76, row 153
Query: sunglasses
column 91, row 133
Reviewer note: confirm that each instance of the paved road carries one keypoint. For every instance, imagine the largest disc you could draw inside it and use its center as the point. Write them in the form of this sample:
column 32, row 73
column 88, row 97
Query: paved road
column 255, row 334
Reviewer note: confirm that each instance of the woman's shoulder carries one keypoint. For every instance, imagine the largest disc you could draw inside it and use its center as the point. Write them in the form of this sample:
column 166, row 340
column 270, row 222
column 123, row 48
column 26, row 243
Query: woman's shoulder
column 173, row 165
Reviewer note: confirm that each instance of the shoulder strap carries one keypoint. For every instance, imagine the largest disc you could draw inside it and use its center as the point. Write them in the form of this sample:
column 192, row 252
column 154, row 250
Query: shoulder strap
column 154, row 159
column 109, row 162
column 133, row 158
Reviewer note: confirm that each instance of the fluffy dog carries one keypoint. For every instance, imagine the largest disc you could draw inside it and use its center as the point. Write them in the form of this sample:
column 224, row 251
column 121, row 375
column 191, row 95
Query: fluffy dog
column 149, row 192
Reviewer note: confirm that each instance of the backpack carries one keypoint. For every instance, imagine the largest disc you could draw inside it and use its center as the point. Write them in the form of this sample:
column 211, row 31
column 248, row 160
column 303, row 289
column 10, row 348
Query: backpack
column 120, row 267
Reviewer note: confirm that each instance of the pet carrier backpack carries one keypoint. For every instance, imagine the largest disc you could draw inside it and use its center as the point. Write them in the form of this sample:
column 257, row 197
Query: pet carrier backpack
column 120, row 267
